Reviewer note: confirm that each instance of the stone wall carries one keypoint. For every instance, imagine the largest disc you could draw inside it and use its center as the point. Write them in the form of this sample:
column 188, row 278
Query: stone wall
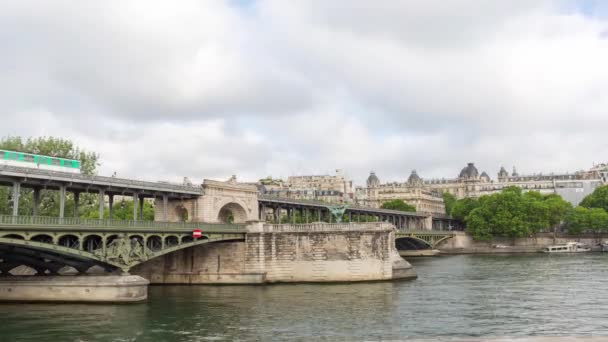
column 286, row 253
column 464, row 243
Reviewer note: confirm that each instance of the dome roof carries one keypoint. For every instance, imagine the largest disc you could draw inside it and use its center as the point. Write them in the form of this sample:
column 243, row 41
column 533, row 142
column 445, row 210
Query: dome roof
column 372, row 180
column 470, row 171
column 503, row 173
column 414, row 179
column 485, row 176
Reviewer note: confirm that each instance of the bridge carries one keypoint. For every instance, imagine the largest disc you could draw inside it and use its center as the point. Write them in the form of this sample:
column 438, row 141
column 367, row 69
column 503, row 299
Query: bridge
column 211, row 202
column 422, row 239
column 49, row 244
column 219, row 209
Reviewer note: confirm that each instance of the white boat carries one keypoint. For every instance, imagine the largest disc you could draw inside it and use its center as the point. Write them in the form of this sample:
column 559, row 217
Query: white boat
column 569, row 247
column 604, row 245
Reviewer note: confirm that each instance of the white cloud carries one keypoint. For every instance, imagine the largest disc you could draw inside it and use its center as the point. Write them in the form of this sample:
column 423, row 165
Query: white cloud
column 210, row 89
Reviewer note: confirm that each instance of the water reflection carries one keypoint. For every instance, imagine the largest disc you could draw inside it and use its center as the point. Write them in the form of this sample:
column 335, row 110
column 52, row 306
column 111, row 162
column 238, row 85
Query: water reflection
column 513, row 296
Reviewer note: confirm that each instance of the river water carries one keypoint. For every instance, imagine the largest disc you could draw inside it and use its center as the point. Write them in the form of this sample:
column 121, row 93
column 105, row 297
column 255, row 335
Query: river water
column 455, row 296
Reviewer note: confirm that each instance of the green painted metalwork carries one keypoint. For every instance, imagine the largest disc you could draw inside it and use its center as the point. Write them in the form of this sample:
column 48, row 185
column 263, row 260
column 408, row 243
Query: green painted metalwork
column 112, row 244
column 70, row 222
column 337, row 212
column 432, row 238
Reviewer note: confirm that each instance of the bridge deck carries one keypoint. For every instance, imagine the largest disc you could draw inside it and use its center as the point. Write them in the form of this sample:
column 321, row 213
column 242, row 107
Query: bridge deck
column 45, row 178
column 349, row 207
column 67, row 224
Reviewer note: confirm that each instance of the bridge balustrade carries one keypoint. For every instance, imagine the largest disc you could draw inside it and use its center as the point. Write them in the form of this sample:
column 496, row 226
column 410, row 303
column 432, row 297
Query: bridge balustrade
column 86, row 222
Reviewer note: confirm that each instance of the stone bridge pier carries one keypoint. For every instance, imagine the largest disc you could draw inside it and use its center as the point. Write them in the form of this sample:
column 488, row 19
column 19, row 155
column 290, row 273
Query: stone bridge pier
column 220, row 202
column 287, row 253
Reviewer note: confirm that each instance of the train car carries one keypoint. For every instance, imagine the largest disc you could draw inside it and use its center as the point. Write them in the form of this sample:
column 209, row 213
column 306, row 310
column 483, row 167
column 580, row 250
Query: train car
column 29, row 160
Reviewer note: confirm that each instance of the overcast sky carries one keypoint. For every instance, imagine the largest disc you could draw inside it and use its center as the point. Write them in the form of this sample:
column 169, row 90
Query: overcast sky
column 207, row 89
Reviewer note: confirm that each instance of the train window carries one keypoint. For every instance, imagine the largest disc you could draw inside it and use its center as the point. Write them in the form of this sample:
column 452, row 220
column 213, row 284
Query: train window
column 29, row 158
column 55, row 161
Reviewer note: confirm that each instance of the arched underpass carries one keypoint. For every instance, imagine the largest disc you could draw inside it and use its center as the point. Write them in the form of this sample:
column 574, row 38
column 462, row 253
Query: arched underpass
column 411, row 244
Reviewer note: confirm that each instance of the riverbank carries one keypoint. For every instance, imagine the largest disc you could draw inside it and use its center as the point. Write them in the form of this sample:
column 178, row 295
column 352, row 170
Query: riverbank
column 464, row 243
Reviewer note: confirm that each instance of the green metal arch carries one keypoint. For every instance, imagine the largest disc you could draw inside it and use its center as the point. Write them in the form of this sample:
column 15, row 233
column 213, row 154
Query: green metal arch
column 417, row 239
column 447, row 237
column 77, row 253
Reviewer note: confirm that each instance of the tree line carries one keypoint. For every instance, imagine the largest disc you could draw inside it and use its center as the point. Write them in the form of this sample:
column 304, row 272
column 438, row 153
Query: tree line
column 49, row 199
column 514, row 213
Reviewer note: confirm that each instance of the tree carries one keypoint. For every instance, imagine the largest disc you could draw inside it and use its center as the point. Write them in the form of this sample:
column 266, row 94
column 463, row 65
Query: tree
column 515, row 214
column 577, row 220
column 597, row 199
column 462, row 207
column 398, row 204
column 448, row 200
column 557, row 209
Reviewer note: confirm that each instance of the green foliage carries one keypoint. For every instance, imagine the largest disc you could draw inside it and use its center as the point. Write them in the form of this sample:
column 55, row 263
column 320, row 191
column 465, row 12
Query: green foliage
column 583, row 219
column 449, row 201
column 598, row 199
column 461, row 208
column 398, row 205
column 121, row 210
column 515, row 214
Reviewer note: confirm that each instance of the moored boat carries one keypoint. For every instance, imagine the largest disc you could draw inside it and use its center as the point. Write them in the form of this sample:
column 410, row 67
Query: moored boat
column 568, row 247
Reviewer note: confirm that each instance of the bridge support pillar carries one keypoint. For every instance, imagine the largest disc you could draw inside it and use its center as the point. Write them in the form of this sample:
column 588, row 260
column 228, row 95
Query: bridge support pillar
column 141, row 209
column 102, row 203
column 135, row 202
column 16, row 193
column 111, row 204
column 35, row 201
column 61, row 201
column 76, row 200
column 165, row 208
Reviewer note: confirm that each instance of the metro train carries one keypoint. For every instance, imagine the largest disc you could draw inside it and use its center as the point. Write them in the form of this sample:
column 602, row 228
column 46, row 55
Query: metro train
column 36, row 161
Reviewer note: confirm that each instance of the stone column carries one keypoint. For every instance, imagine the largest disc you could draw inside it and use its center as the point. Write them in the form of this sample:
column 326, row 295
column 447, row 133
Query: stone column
column 61, row 201
column 110, row 204
column 36, row 202
column 319, row 214
column 141, row 209
column 306, row 214
column 350, row 216
column 16, row 193
column 294, row 211
column 102, row 203
column 76, row 202
column 165, row 208
column 135, row 202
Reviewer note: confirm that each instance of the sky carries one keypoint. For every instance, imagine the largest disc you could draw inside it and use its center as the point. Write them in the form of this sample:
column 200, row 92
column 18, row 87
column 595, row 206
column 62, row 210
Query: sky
column 210, row 89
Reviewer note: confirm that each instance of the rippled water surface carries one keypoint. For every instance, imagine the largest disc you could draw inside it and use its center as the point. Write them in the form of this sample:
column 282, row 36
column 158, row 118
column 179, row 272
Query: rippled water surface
column 454, row 296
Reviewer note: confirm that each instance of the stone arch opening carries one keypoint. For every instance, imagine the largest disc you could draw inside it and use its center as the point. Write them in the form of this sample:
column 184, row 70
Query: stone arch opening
column 181, row 213
column 232, row 213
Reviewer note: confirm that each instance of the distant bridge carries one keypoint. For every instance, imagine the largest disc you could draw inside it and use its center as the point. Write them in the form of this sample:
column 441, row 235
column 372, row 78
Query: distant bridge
column 311, row 211
column 422, row 239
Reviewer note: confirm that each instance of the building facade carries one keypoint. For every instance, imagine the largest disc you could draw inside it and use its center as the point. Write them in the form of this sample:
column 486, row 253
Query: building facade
column 573, row 187
column 327, row 188
column 412, row 192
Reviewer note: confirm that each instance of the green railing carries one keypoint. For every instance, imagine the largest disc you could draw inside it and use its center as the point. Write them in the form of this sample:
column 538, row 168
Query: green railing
column 82, row 222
